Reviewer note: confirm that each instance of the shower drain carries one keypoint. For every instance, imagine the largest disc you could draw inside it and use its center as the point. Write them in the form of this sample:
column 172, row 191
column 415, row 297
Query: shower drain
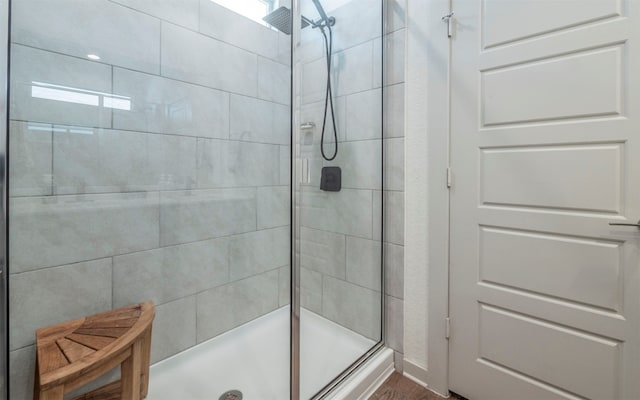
column 231, row 395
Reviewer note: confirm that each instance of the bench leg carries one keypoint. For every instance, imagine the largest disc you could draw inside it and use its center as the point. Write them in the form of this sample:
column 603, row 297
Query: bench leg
column 131, row 371
column 146, row 361
column 56, row 393
column 36, row 382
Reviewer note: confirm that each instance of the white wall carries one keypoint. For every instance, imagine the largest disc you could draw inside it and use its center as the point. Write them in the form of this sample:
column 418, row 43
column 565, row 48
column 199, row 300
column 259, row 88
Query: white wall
column 426, row 215
column 415, row 334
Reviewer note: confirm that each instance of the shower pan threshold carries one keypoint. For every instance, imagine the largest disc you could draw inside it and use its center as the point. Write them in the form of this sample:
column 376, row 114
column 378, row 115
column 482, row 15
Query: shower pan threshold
column 254, row 359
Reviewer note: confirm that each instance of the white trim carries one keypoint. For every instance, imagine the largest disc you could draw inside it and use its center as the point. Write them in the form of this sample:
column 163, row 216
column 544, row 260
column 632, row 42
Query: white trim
column 362, row 384
column 427, row 196
column 415, row 372
column 438, row 202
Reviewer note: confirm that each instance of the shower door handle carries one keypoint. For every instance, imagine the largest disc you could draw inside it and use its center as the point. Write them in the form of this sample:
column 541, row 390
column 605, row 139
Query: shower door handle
column 619, row 224
column 305, row 174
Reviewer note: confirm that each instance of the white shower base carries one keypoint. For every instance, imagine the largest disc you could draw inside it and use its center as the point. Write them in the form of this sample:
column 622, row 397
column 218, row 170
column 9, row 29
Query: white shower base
column 254, row 358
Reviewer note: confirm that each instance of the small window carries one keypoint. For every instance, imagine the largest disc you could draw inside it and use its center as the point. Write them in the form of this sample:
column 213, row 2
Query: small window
column 252, row 9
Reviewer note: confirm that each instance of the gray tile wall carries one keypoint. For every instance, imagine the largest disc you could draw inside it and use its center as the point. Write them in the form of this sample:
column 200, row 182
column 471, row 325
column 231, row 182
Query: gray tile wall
column 341, row 235
column 159, row 172
column 179, row 193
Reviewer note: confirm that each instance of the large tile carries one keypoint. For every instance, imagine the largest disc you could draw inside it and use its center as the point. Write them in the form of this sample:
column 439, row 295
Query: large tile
column 169, row 273
column 393, row 61
column 364, row 115
column 96, row 160
column 393, row 217
column 257, row 252
column 394, row 111
column 168, row 106
column 208, row 61
column 274, row 81
column 189, row 216
column 361, row 164
column 172, row 162
column 311, row 45
column 181, row 12
column 313, row 113
column 21, row 372
column 394, row 270
column 353, row 307
column 174, row 328
column 225, row 25
column 348, row 211
column 254, row 120
column 396, row 15
column 356, row 23
column 226, row 307
column 49, row 87
column 364, row 265
column 352, row 70
column 323, row 252
column 284, row 177
column 224, row 163
column 274, row 206
column 63, row 293
column 50, row 231
column 284, row 285
column 395, row 54
column 394, row 323
column 119, row 35
column 284, row 49
column 30, row 145
column 311, row 290
column 314, row 81
column 394, row 164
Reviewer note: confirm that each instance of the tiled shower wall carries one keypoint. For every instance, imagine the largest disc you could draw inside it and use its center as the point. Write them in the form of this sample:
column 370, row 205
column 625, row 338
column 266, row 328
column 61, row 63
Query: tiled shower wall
column 340, row 232
column 159, row 172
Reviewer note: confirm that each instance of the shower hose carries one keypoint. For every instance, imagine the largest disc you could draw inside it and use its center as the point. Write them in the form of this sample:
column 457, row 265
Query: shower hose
column 328, row 100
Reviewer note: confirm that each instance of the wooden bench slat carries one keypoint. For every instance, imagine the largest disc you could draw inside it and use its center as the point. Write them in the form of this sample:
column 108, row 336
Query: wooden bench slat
column 109, row 332
column 128, row 312
column 110, row 323
column 50, row 358
column 74, row 351
column 52, row 333
column 95, row 342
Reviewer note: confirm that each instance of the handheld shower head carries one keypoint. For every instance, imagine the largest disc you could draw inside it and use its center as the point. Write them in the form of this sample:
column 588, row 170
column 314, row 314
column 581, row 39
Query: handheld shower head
column 328, row 21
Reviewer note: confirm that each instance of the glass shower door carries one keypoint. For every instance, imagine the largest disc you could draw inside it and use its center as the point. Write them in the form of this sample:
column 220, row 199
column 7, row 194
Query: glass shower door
column 339, row 186
column 150, row 145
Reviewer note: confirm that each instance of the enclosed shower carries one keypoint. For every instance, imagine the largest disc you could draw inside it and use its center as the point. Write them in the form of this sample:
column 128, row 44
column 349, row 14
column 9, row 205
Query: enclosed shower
column 178, row 152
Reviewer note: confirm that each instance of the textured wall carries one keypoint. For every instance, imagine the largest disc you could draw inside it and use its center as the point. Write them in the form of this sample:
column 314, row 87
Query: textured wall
column 159, row 172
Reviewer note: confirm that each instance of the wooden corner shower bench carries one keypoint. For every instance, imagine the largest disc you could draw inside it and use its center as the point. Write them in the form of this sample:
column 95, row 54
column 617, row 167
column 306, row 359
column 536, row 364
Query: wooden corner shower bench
column 74, row 353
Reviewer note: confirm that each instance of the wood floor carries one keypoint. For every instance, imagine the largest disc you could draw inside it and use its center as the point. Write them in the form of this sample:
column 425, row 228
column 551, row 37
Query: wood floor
column 397, row 387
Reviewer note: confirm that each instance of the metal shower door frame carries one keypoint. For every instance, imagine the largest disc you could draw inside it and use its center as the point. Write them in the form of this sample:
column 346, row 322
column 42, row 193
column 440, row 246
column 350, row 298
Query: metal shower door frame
column 296, row 88
column 4, row 146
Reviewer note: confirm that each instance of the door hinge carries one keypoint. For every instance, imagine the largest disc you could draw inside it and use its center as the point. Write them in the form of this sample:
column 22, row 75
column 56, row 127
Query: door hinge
column 447, row 328
column 449, row 20
column 449, row 178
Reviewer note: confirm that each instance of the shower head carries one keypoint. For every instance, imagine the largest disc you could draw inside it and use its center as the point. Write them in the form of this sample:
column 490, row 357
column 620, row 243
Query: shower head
column 281, row 20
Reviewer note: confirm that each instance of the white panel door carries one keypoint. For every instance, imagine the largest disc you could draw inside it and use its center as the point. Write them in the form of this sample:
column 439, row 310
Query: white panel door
column 545, row 148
